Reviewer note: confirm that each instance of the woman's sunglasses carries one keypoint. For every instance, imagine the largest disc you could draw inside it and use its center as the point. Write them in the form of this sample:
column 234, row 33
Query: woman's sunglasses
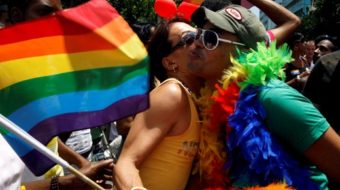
column 210, row 39
column 187, row 39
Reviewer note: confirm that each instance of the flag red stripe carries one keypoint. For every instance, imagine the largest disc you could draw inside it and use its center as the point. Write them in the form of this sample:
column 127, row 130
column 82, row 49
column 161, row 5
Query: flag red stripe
column 65, row 23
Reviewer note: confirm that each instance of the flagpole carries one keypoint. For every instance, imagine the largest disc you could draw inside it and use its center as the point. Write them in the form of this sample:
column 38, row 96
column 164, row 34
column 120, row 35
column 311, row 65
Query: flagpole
column 107, row 146
column 12, row 127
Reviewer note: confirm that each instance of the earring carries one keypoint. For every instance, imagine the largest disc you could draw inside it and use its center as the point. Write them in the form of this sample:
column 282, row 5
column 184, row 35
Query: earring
column 173, row 69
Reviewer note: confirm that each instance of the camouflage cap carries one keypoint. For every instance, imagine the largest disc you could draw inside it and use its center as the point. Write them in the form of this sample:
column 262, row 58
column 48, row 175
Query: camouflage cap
column 234, row 19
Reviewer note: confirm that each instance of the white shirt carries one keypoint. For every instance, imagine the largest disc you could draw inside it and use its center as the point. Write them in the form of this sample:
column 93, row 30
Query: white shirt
column 11, row 167
column 80, row 141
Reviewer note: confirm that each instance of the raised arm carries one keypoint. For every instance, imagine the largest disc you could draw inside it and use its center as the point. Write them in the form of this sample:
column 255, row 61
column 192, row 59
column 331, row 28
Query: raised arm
column 286, row 21
column 168, row 104
column 71, row 156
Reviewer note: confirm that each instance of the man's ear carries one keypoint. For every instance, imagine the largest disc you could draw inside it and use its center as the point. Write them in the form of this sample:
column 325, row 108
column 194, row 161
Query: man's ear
column 16, row 15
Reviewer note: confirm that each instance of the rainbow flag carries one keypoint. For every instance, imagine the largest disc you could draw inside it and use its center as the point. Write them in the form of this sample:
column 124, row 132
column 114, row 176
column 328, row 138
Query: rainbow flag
column 80, row 68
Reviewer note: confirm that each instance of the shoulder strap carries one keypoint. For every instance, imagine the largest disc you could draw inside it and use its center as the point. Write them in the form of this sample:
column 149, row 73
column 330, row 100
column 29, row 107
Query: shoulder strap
column 178, row 82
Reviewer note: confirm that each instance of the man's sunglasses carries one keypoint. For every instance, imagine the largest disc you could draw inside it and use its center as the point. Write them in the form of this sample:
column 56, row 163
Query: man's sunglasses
column 210, row 39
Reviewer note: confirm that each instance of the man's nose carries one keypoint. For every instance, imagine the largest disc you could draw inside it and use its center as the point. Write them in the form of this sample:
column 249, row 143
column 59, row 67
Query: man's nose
column 198, row 42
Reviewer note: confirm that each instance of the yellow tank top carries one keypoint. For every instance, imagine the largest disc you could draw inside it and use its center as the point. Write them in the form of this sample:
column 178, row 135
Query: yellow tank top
column 55, row 170
column 169, row 165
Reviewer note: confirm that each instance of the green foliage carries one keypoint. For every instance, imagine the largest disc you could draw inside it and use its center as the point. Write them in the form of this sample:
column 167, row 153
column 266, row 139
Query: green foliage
column 132, row 10
column 324, row 18
column 135, row 10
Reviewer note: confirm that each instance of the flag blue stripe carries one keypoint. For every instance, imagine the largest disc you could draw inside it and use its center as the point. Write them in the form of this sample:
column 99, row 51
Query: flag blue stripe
column 45, row 130
column 30, row 115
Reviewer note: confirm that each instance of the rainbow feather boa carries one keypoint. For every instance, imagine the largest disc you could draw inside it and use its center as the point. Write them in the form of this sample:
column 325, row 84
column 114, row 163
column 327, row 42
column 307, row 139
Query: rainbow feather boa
column 233, row 123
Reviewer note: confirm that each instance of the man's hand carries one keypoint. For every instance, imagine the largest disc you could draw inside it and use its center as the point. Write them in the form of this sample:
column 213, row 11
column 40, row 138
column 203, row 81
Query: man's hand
column 99, row 172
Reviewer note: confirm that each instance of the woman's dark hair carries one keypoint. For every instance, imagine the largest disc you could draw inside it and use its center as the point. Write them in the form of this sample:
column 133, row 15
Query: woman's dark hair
column 296, row 38
column 143, row 30
column 159, row 47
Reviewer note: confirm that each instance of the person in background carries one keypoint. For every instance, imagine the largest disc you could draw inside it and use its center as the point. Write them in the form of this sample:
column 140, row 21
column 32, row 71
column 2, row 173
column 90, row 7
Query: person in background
column 79, row 141
column 325, row 44
column 322, row 89
column 310, row 48
column 3, row 14
column 297, row 71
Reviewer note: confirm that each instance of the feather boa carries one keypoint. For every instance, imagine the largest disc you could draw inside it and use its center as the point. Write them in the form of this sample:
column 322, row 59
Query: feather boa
column 252, row 150
column 212, row 155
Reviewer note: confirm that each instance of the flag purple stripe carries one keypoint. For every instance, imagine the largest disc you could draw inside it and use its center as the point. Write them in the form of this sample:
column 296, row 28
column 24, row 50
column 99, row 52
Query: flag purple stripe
column 37, row 162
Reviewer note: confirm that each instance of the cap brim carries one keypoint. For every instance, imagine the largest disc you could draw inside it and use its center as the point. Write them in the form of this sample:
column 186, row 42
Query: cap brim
column 202, row 15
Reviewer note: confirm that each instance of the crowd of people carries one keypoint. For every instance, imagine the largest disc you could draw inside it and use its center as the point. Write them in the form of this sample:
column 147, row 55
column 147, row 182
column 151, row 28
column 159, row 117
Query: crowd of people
column 232, row 106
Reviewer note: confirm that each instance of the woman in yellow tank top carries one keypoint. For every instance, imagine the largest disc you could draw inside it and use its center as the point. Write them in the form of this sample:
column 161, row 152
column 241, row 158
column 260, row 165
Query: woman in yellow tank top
column 163, row 140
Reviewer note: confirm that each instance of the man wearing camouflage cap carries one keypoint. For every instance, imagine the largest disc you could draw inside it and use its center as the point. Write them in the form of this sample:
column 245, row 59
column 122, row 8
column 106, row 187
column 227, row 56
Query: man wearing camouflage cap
column 234, row 19
column 287, row 118
column 237, row 24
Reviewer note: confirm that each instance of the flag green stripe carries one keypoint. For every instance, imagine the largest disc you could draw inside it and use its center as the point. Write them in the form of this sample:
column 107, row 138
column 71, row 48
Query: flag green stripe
column 11, row 97
column 3, row 131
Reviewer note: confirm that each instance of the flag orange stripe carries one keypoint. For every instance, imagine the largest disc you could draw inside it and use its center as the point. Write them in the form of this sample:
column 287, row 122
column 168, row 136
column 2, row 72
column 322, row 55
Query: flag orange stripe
column 18, row 70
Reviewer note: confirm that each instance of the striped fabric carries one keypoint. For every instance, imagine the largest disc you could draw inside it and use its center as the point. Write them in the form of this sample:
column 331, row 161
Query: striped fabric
column 80, row 68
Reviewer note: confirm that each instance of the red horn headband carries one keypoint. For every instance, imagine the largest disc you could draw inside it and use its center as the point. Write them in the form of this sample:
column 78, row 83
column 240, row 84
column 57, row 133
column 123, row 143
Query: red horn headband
column 168, row 10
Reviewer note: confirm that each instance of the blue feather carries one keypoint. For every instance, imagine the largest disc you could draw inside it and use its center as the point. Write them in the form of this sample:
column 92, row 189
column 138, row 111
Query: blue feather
column 254, row 152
